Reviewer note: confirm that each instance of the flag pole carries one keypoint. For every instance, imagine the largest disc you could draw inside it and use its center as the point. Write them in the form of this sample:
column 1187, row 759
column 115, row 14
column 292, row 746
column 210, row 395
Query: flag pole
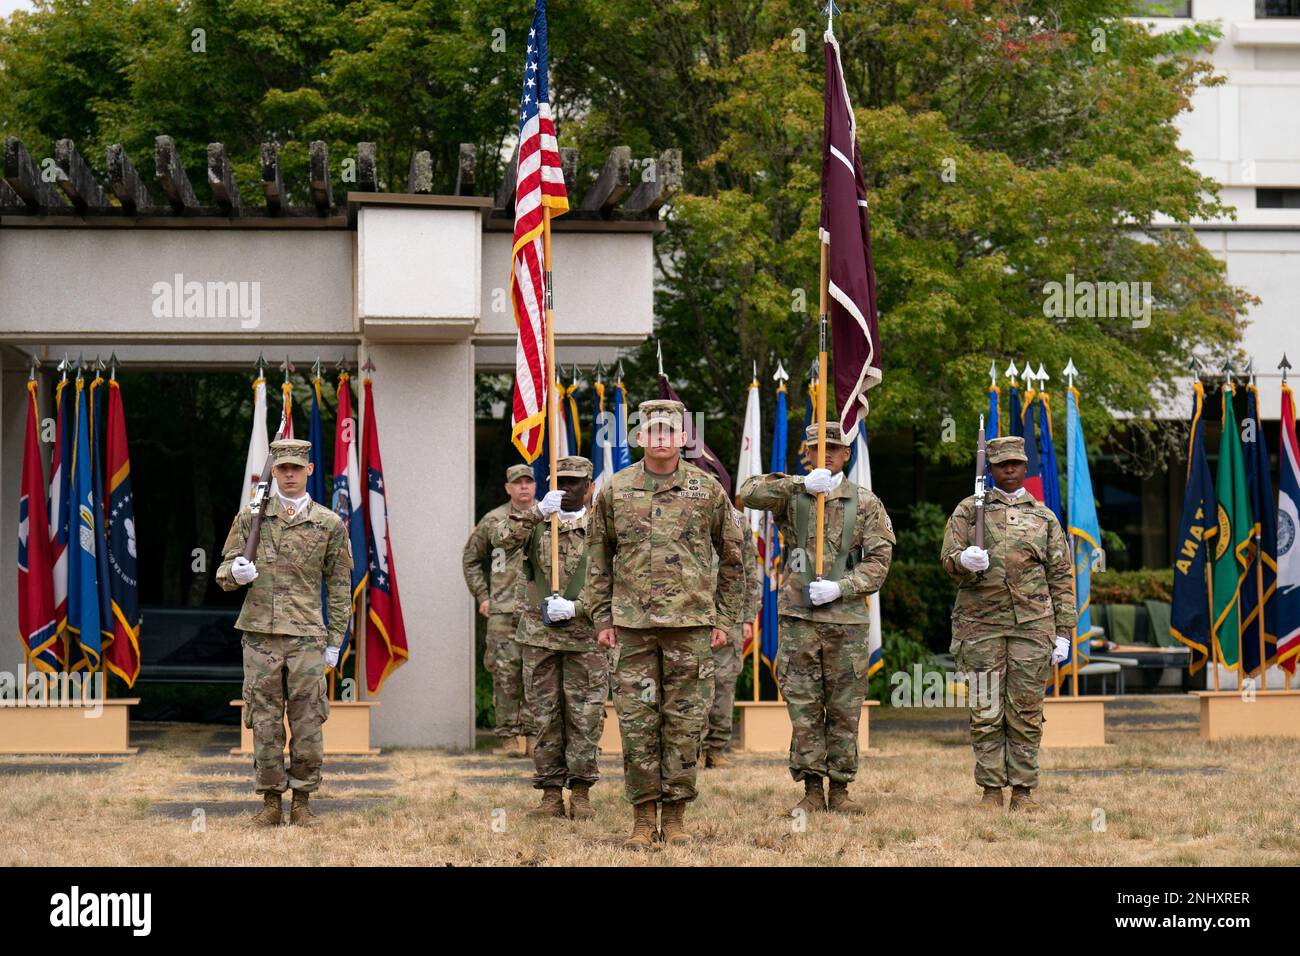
column 551, row 409
column 824, row 295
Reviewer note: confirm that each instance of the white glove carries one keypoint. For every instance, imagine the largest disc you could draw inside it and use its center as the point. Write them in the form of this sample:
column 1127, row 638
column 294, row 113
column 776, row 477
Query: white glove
column 242, row 570
column 974, row 559
column 550, row 503
column 823, row 592
column 821, row 480
column 331, row 656
column 1061, row 652
column 558, row 608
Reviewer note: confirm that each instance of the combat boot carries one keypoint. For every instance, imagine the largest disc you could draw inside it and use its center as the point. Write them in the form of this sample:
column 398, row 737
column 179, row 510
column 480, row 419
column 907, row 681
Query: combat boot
column 814, row 799
column 643, row 826
column 717, row 758
column 839, row 800
column 271, row 814
column 579, row 804
column 552, row 804
column 674, row 827
column 300, row 814
column 1022, row 800
column 992, row 799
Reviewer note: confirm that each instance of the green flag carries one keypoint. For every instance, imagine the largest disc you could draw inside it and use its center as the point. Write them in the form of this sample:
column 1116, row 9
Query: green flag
column 1231, row 554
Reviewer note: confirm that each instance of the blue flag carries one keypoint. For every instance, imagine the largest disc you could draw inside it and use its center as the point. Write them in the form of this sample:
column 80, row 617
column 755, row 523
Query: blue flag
column 993, row 421
column 316, row 480
column 84, row 625
column 1034, row 464
column 1017, row 423
column 1288, row 549
column 622, row 453
column 806, row 454
column 1262, row 577
column 104, row 584
column 1084, row 531
column 769, row 630
column 1189, row 620
column 1047, row 456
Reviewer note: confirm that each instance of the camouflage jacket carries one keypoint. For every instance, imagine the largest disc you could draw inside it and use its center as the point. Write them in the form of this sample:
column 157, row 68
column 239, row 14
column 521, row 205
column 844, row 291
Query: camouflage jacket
column 293, row 556
column 872, row 544
column 1030, row 578
column 504, row 569
column 651, row 560
column 753, row 580
column 513, row 536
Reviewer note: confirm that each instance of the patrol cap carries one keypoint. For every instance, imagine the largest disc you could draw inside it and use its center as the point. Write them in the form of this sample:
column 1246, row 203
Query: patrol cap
column 291, row 451
column 834, row 434
column 515, row 472
column 662, row 411
column 573, row 466
column 1006, row 448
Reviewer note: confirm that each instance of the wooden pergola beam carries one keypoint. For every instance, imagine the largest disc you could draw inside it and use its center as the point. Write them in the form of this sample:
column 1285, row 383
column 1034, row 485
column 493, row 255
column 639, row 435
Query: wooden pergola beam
column 467, row 160
column 612, row 184
column 653, row 192
column 77, row 180
column 272, row 183
column 221, row 179
column 419, row 178
column 322, row 194
column 24, row 179
column 367, row 174
column 171, row 177
column 126, row 184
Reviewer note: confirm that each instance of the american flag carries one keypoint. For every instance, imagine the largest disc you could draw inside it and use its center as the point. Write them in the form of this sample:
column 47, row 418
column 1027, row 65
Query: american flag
column 539, row 183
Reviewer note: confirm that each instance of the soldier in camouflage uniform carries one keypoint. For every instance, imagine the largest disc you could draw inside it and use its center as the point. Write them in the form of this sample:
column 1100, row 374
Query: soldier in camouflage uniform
column 727, row 664
column 503, row 657
column 1013, row 595
column 656, row 531
column 565, row 670
column 287, row 646
column 823, row 658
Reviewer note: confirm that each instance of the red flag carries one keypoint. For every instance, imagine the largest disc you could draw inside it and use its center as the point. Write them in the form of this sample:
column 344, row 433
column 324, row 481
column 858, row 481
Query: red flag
column 37, row 625
column 846, row 230
column 385, row 631
column 122, row 654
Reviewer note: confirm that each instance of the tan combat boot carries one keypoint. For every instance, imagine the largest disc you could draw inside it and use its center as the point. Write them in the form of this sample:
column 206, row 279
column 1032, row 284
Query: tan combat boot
column 992, row 799
column 300, row 814
column 579, row 803
column 814, row 799
column 673, row 825
column 717, row 758
column 839, row 800
column 270, row 815
column 1022, row 800
column 643, row 826
column 552, row 804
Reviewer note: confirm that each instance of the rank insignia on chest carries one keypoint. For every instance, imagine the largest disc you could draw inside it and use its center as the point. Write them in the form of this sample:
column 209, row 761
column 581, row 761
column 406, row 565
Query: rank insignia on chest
column 1011, row 517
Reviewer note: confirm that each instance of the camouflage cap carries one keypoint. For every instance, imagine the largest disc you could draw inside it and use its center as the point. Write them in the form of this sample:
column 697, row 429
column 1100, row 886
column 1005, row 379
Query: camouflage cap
column 573, row 466
column 1006, row 448
column 662, row 411
column 515, row 472
column 291, row 451
column 834, row 434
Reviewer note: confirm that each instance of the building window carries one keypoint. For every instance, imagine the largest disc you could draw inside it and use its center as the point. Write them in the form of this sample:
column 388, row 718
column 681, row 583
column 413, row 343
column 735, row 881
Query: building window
column 1277, row 198
column 1276, row 8
column 1162, row 8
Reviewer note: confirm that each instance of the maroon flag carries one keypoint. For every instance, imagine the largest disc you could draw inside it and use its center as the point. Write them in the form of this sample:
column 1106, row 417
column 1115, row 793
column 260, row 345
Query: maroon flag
column 385, row 630
column 37, row 624
column 846, row 230
column 696, row 452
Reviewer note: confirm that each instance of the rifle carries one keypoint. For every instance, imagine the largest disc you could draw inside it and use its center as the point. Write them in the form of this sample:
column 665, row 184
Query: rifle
column 980, row 466
column 255, row 509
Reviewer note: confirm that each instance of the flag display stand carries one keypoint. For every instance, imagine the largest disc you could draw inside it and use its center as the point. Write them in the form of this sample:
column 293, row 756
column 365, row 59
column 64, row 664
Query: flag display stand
column 1074, row 721
column 346, row 730
column 1226, row 714
column 41, row 728
column 765, row 726
column 611, row 741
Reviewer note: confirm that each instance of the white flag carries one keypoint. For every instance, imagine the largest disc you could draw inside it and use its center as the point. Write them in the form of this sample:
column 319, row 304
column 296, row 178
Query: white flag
column 751, row 452
column 258, row 446
column 860, row 474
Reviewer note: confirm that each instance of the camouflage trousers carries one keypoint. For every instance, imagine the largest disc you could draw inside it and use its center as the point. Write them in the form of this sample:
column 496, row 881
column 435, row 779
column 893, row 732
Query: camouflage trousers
column 504, row 660
column 1006, row 722
column 726, row 668
column 662, row 690
column 822, row 669
column 566, row 698
column 285, row 673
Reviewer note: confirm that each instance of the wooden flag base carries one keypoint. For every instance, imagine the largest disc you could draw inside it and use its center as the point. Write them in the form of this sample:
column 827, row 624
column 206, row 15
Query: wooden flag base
column 1226, row 714
column 611, row 741
column 346, row 731
column 1074, row 721
column 765, row 726
column 62, row 729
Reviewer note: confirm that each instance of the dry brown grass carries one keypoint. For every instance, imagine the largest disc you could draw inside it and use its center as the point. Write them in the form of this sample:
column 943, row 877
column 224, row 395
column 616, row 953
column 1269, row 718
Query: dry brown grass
column 1170, row 800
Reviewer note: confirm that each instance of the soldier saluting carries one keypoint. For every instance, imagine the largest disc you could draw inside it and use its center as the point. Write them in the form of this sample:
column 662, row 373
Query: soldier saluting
column 1013, row 595
column 657, row 528
column 565, row 670
column 823, row 659
column 287, row 645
